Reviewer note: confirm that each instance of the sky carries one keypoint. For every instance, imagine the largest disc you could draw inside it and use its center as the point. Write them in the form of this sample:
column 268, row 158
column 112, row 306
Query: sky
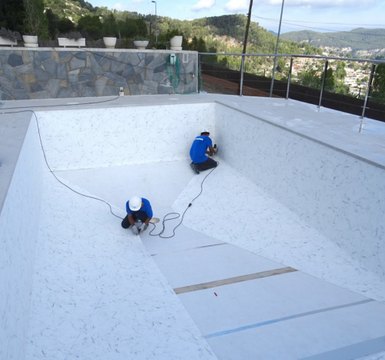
column 316, row 15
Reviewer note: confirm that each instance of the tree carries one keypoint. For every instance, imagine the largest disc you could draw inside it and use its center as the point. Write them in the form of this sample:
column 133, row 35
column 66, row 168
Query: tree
column 342, row 89
column 90, row 26
column 201, row 45
column 341, row 72
column 35, row 21
column 378, row 92
column 109, row 25
column 330, row 81
column 142, row 26
column 12, row 14
column 281, row 65
column 310, row 78
column 52, row 23
column 194, row 44
column 65, row 26
column 127, row 28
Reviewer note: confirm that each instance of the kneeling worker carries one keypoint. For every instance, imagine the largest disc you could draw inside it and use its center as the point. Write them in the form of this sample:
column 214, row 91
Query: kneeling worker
column 198, row 151
column 137, row 209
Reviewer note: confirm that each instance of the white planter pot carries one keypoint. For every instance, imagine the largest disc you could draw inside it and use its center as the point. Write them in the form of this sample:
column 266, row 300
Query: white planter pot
column 109, row 42
column 72, row 42
column 7, row 42
column 140, row 44
column 30, row 41
column 176, row 43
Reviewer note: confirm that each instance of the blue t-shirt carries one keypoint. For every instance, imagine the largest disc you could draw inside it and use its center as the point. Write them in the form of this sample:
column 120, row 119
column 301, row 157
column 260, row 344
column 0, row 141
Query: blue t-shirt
column 145, row 208
column 199, row 148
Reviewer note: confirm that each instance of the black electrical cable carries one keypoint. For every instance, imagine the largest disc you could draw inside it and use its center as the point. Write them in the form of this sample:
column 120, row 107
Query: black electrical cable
column 178, row 215
column 101, row 200
column 49, row 168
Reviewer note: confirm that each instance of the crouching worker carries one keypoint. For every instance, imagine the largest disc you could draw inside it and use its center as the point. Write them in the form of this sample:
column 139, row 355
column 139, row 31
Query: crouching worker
column 201, row 147
column 139, row 214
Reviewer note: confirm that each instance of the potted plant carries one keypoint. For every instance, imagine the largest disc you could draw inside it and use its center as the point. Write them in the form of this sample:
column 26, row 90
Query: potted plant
column 109, row 42
column 30, row 41
column 35, row 24
column 176, row 42
column 110, row 28
column 140, row 42
column 73, row 38
column 9, row 37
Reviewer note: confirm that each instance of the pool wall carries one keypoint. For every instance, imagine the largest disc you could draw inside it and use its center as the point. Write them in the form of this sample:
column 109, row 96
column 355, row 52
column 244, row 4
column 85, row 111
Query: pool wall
column 333, row 191
column 337, row 193
column 19, row 223
column 79, row 139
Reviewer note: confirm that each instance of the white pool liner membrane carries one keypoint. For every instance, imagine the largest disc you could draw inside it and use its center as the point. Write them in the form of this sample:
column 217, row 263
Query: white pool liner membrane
column 296, row 188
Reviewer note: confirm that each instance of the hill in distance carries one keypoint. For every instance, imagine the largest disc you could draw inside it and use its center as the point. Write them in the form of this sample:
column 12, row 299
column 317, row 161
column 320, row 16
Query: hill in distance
column 359, row 42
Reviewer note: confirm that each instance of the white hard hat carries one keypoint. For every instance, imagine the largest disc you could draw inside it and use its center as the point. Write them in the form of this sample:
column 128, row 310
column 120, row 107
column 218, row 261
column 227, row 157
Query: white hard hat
column 205, row 131
column 135, row 203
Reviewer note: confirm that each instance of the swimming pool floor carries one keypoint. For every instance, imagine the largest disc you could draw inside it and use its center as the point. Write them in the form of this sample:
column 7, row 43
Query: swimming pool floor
column 226, row 286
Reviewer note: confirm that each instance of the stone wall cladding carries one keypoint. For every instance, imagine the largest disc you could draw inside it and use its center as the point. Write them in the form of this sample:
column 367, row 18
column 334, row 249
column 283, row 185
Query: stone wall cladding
column 46, row 73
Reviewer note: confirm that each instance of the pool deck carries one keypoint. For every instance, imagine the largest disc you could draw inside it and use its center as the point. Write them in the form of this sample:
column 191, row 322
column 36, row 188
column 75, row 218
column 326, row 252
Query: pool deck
column 204, row 293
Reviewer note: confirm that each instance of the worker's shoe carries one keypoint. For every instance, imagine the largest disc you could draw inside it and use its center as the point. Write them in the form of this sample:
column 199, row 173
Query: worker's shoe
column 194, row 167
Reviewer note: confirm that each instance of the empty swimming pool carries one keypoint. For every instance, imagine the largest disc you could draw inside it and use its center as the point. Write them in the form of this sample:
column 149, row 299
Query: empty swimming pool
column 280, row 257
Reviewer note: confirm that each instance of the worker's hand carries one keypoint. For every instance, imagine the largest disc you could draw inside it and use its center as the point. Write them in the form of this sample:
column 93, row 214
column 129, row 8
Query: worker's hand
column 135, row 230
column 143, row 227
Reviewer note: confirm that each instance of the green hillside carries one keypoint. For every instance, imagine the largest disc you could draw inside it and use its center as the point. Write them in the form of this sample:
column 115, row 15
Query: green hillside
column 357, row 40
column 224, row 33
column 72, row 10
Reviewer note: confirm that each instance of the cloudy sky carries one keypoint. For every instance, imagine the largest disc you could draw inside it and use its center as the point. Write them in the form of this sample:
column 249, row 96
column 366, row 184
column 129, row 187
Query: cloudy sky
column 316, row 15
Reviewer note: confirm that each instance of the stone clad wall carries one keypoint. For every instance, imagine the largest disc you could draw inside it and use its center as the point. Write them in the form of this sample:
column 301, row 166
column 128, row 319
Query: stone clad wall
column 45, row 73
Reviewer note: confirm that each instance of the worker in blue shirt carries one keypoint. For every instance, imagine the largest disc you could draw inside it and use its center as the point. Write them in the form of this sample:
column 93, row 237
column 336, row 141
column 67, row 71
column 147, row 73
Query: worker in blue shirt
column 138, row 210
column 198, row 152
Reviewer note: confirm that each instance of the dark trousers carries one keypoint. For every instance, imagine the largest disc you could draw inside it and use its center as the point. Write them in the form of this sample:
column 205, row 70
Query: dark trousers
column 137, row 215
column 205, row 165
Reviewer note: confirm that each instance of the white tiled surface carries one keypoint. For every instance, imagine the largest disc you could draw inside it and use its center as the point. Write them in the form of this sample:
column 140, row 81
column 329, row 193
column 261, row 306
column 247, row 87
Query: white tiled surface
column 195, row 266
column 105, row 295
column 335, row 193
column 260, row 300
column 97, row 292
column 160, row 182
column 74, row 289
column 79, row 139
column 276, row 340
column 250, row 218
column 19, row 223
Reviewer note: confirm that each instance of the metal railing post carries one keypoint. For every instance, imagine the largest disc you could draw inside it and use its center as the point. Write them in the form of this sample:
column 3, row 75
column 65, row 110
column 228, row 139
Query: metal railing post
column 368, row 90
column 199, row 75
column 289, row 78
column 276, row 50
column 323, row 84
column 241, row 84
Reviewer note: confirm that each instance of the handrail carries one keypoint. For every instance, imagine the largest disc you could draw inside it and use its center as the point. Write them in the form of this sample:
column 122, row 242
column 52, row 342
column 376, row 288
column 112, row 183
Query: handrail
column 323, row 57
